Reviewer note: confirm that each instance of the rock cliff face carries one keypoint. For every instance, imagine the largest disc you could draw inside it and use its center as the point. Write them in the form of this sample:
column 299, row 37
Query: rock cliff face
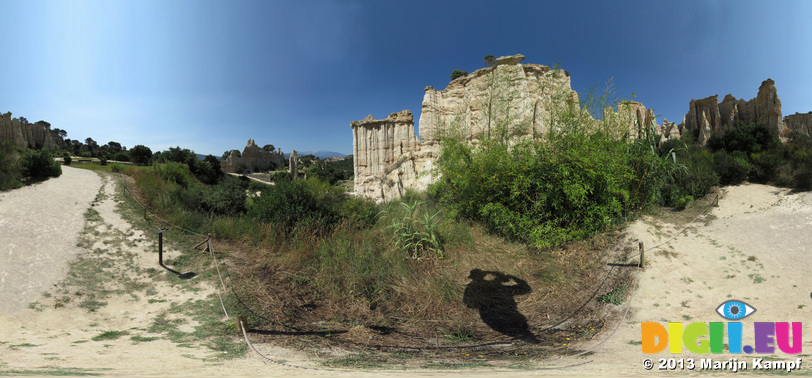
column 253, row 159
column 518, row 96
column 28, row 135
column 514, row 98
column 707, row 116
column 387, row 156
column 799, row 123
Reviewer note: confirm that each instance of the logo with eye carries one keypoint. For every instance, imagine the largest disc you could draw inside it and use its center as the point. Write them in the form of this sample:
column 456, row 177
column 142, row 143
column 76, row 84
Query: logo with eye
column 735, row 310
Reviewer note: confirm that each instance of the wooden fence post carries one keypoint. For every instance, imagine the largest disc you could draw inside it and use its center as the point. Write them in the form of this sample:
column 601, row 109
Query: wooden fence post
column 242, row 321
column 642, row 256
column 161, row 246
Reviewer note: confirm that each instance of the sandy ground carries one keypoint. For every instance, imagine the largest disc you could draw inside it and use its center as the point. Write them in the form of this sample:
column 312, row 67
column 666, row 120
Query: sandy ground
column 753, row 247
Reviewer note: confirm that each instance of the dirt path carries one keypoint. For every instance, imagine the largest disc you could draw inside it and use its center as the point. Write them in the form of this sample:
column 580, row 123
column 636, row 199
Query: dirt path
column 39, row 226
column 137, row 322
column 754, row 247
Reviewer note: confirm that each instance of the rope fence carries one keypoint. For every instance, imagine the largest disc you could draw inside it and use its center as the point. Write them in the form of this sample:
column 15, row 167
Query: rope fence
column 244, row 331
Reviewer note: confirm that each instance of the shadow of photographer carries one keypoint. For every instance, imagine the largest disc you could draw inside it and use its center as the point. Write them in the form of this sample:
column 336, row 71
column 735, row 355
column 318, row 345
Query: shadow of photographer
column 493, row 298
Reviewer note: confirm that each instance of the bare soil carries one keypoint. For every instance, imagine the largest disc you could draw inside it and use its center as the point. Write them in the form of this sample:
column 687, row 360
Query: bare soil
column 55, row 234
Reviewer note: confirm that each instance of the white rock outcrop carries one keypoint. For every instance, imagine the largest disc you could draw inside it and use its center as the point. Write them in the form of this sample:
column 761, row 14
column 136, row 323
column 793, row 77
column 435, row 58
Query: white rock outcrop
column 708, row 116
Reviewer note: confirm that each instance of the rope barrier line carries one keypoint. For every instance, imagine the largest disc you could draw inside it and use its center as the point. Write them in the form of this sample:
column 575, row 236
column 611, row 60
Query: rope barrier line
column 266, row 358
column 216, row 265
column 715, row 201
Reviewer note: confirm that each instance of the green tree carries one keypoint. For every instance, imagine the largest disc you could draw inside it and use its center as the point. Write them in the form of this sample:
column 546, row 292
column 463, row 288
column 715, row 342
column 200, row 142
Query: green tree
column 458, row 73
column 490, row 60
column 141, row 155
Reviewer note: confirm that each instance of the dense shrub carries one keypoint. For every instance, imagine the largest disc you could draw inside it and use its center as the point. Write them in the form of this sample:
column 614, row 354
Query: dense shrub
column 458, row 73
column 282, row 176
column 334, row 171
column 121, row 156
column 694, row 175
column 115, row 167
column 746, row 137
column 544, row 194
column 10, row 175
column 66, row 159
column 288, row 203
column 174, row 172
column 227, row 198
column 733, row 168
column 39, row 165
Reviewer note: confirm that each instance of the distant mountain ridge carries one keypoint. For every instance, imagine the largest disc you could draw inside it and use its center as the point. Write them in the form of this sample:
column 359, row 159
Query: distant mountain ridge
column 321, row 154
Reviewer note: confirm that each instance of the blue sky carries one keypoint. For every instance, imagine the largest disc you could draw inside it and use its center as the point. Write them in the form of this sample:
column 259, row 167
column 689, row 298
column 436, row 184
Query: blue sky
column 209, row 75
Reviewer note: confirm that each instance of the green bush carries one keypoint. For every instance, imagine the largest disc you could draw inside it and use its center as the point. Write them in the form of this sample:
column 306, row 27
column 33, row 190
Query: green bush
column 746, row 137
column 695, row 176
column 458, row 73
column 227, row 198
column 121, row 156
column 10, row 175
column 116, row 167
column 282, row 176
column 174, row 172
column 683, row 202
column 103, row 160
column 289, row 203
column 39, row 165
column 66, row 159
column 543, row 194
column 733, row 168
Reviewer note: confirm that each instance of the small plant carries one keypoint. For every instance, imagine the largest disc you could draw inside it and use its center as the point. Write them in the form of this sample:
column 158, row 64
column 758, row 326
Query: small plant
column 460, row 334
column 109, row 335
column 66, row 159
column 614, row 297
column 116, row 167
column 683, row 202
column 418, row 237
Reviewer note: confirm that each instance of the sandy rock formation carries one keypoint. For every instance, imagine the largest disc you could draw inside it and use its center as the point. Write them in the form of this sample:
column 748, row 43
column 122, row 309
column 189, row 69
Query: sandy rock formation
column 509, row 60
column 799, row 123
column 707, row 116
column 253, row 159
column 28, row 135
column 670, row 130
column 639, row 119
column 293, row 164
column 388, row 156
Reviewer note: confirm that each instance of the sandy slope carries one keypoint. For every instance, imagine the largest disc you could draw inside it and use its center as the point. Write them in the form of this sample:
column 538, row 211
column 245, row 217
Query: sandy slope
column 754, row 247
column 757, row 249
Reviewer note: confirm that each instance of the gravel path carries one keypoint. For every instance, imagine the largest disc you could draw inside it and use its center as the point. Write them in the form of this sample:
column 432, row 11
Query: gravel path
column 39, row 226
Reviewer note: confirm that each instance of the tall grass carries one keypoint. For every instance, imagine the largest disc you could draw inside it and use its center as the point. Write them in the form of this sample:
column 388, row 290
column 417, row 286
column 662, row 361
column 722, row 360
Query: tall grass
column 338, row 243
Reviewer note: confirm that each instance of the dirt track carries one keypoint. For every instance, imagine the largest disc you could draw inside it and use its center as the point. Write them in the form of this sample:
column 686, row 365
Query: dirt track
column 754, row 247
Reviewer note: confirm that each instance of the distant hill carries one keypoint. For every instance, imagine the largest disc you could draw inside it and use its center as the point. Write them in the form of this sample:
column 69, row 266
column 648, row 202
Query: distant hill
column 319, row 154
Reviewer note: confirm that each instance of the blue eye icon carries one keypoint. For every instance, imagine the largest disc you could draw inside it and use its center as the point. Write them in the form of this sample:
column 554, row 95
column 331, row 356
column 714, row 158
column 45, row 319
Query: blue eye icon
column 735, row 310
